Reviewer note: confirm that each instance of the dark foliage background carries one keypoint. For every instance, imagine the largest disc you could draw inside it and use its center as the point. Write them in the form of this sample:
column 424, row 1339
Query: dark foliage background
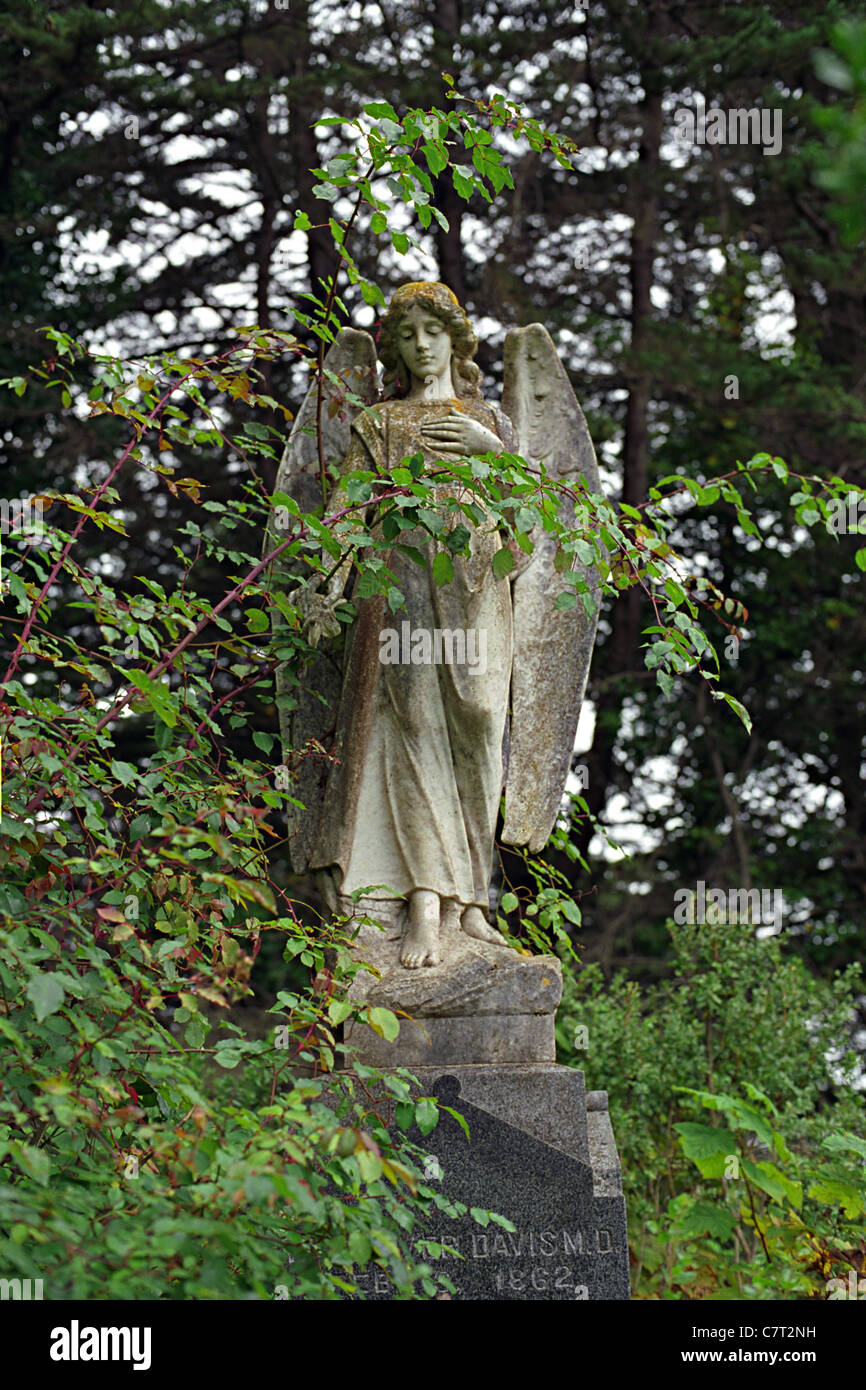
column 709, row 302
column 153, row 160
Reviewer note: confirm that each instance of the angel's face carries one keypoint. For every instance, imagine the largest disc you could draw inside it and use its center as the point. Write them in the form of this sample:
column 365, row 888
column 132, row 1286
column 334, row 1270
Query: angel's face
column 424, row 344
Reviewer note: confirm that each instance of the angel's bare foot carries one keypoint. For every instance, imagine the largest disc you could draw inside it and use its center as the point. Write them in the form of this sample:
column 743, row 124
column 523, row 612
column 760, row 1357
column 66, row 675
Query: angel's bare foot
column 474, row 923
column 421, row 941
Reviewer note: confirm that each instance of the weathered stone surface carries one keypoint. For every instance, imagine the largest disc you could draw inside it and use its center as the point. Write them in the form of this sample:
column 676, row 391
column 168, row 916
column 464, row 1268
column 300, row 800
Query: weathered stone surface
column 538, row 1157
column 308, row 719
column 400, row 765
column 482, row 1003
column 500, row 1038
column 552, row 648
column 474, row 977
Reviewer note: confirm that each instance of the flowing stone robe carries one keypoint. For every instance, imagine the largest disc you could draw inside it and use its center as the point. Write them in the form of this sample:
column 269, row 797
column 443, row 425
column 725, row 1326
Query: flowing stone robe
column 412, row 799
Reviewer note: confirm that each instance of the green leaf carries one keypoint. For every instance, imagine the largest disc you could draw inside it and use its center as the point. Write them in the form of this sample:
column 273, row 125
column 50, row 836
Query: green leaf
column 431, row 520
column 754, row 1094
column 833, row 1192
column 359, row 489
column 12, row 900
column 780, row 468
column 258, row 1187
column 455, row 1115
column 162, row 734
column 139, row 828
column 769, row 1179
column 383, row 1022
column 226, row 1058
column 124, row 772
column 369, row 1165
column 371, row 293
column 436, row 158
column 46, row 994
column 706, row 1146
column 706, row 1219
column 503, row 563
column 34, row 1162
column 158, row 696
column 360, row 1247
column 443, row 568
column 196, row 1031
column 257, row 620
column 426, row 1115
column 457, row 539
column 739, row 710
column 833, row 70
column 339, row 1010
column 842, row 1141
column 463, row 186
column 381, row 110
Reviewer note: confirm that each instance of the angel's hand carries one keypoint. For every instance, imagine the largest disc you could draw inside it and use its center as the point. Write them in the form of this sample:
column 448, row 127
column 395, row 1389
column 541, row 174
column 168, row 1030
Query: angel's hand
column 456, row 433
column 318, row 618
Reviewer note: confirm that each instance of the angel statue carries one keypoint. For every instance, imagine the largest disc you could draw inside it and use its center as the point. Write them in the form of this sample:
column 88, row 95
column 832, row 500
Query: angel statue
column 401, row 759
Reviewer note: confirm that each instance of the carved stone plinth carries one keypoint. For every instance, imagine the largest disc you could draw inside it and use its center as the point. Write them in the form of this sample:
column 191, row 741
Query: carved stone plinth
column 483, row 1003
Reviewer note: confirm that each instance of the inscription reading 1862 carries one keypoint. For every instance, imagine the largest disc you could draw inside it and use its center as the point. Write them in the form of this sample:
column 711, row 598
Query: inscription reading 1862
column 543, row 1279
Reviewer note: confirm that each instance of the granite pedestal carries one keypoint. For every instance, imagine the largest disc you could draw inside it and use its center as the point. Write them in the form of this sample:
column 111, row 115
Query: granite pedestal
column 477, row 1031
column 540, row 1153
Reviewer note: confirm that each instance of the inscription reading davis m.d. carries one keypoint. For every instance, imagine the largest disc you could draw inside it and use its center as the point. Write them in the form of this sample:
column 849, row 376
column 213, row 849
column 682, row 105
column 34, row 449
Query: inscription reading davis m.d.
column 482, row 1245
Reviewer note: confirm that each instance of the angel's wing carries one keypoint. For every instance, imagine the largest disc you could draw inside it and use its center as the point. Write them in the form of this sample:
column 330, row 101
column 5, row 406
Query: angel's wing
column 307, row 701
column 552, row 647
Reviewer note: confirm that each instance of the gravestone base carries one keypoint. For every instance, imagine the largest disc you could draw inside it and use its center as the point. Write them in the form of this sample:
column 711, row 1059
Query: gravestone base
column 483, row 1002
column 541, row 1153
column 501, row 1038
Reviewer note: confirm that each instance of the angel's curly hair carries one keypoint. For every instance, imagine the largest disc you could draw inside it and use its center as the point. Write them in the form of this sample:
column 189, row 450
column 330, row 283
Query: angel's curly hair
column 438, row 300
